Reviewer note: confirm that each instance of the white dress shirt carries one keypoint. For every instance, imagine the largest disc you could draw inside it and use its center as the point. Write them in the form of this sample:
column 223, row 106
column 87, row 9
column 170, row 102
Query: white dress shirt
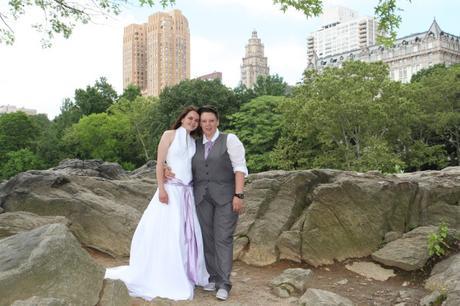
column 235, row 150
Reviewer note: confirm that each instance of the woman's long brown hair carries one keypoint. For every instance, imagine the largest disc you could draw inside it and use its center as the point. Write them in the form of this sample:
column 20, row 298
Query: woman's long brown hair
column 178, row 123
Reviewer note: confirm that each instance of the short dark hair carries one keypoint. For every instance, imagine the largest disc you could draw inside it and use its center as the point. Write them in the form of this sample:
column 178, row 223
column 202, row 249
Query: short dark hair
column 208, row 109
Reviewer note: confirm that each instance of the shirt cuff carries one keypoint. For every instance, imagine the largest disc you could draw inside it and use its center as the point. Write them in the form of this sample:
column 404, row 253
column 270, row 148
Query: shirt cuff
column 241, row 169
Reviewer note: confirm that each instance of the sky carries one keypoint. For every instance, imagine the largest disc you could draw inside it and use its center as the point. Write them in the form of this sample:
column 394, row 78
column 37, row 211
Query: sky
column 37, row 78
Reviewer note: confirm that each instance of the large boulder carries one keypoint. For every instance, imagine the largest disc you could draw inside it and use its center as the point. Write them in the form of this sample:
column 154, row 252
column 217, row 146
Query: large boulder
column 445, row 275
column 437, row 197
column 349, row 216
column 290, row 282
column 408, row 253
column 114, row 293
column 275, row 201
column 21, row 221
column 320, row 216
column 103, row 204
column 48, row 262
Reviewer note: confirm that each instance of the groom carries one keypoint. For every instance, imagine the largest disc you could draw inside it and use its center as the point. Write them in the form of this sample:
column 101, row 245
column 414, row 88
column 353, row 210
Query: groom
column 219, row 169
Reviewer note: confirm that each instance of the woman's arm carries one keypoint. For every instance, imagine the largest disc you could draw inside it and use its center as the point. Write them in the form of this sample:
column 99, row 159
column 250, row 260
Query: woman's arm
column 163, row 147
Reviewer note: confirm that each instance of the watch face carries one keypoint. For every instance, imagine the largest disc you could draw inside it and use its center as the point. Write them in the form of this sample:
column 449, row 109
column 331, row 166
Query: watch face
column 239, row 195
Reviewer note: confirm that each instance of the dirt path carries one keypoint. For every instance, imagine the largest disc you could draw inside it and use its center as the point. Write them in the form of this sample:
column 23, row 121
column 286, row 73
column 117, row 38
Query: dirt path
column 250, row 286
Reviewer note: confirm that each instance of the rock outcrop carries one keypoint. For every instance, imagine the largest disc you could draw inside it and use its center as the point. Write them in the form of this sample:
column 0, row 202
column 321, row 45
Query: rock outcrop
column 21, row 221
column 408, row 253
column 313, row 216
column 102, row 202
column 48, row 262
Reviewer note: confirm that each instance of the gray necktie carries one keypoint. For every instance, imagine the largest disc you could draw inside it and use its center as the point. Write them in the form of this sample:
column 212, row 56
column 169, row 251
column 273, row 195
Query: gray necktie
column 207, row 148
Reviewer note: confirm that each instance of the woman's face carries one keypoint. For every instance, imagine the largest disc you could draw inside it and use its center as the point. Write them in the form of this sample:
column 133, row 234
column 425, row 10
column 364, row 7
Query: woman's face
column 191, row 121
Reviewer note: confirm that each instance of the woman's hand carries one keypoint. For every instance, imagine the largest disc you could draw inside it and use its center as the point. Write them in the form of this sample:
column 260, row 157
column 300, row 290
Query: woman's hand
column 163, row 196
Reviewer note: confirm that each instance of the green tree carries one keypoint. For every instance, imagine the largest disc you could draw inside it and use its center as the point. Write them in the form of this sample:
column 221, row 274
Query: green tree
column 243, row 94
column 198, row 93
column 17, row 132
column 427, row 72
column 69, row 115
column 61, row 17
column 340, row 117
column 257, row 124
column 19, row 161
column 95, row 99
column 271, row 85
column 438, row 94
column 102, row 136
column 131, row 92
column 142, row 114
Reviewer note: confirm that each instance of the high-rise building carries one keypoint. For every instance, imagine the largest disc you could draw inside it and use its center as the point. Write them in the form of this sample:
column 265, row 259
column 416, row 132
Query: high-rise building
column 254, row 62
column 409, row 54
column 216, row 75
column 343, row 30
column 135, row 56
column 156, row 54
column 5, row 109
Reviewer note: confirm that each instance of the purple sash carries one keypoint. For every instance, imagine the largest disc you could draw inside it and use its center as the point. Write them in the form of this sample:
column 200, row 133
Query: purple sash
column 189, row 229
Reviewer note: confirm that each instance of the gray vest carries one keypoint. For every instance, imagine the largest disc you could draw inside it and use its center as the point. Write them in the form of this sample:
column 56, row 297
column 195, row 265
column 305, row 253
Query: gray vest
column 213, row 176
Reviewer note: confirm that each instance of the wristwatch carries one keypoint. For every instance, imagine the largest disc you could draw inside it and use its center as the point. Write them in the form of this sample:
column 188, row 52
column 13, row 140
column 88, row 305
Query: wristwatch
column 239, row 195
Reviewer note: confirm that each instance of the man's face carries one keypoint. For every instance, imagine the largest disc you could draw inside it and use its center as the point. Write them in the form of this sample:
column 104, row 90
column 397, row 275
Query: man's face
column 209, row 124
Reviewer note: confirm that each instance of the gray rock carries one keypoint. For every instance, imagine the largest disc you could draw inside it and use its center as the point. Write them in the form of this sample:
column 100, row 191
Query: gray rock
column 289, row 246
column 342, row 282
column 48, row 262
column 370, row 270
column 430, row 299
column 453, row 297
column 239, row 245
column 445, row 275
column 318, row 297
column 291, row 281
column 392, row 236
column 93, row 167
column 409, row 252
column 20, row 221
column 40, row 301
column 275, row 201
column 103, row 213
column 114, row 293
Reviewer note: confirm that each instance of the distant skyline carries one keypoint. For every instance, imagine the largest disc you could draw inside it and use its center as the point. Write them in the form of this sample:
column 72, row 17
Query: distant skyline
column 41, row 79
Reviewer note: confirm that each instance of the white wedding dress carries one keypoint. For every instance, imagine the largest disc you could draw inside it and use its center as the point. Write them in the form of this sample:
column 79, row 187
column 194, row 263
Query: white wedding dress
column 167, row 258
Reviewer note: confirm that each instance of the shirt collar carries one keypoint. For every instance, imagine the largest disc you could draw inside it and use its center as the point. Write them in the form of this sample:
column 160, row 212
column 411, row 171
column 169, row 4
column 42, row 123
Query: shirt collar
column 214, row 137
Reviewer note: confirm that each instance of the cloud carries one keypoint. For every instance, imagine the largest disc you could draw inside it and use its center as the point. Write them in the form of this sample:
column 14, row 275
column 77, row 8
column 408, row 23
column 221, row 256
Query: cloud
column 39, row 78
column 258, row 8
column 288, row 59
column 208, row 56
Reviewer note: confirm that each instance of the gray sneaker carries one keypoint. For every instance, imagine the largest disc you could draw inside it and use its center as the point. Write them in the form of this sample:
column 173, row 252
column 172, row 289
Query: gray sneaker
column 222, row 294
column 210, row 287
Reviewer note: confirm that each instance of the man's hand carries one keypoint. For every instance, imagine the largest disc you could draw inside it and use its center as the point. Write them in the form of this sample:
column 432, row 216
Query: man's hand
column 238, row 205
column 167, row 173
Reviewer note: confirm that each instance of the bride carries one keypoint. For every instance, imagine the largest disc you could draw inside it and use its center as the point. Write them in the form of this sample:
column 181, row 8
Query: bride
column 166, row 258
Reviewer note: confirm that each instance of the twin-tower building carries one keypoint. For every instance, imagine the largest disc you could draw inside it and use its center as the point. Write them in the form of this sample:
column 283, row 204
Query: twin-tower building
column 156, row 54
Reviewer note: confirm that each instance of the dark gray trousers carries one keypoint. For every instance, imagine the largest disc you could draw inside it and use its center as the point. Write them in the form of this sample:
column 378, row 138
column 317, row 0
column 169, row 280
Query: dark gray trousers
column 218, row 223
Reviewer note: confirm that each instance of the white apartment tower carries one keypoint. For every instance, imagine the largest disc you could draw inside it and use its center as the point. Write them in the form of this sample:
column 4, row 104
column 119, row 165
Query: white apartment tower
column 156, row 54
column 343, row 30
column 254, row 62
